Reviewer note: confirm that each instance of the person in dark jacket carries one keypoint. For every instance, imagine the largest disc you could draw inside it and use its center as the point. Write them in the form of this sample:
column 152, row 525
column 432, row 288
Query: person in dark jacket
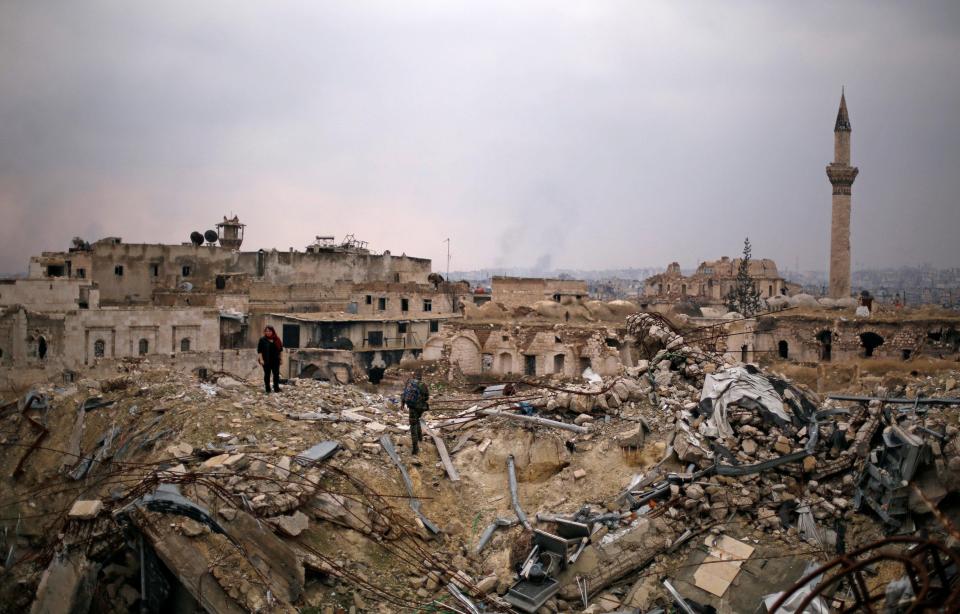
column 270, row 355
column 415, row 398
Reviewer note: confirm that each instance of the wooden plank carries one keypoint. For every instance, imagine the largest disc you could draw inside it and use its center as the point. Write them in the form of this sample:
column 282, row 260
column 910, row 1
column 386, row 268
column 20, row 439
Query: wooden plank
column 442, row 449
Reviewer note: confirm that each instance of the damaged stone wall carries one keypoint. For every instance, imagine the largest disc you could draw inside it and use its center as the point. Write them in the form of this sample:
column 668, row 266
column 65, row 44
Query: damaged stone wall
column 532, row 349
column 523, row 291
column 805, row 337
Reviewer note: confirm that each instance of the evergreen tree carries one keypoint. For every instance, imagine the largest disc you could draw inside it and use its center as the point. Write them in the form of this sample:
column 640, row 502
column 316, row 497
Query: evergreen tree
column 744, row 296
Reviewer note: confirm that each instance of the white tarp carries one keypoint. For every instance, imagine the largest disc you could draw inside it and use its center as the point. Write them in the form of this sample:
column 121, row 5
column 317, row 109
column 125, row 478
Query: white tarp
column 730, row 386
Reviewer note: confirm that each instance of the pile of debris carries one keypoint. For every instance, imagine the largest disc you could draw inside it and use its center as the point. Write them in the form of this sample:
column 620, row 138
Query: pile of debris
column 663, row 486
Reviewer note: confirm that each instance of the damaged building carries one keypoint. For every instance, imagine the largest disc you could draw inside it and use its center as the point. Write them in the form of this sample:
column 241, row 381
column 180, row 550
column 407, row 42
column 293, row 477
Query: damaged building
column 204, row 303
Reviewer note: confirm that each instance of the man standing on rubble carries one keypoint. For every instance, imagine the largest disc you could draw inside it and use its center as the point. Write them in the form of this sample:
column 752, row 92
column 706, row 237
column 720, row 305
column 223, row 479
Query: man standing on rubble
column 270, row 355
column 414, row 398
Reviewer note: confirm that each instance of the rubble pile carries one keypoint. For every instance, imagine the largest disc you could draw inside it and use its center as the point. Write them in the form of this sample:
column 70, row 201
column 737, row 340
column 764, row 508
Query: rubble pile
column 154, row 487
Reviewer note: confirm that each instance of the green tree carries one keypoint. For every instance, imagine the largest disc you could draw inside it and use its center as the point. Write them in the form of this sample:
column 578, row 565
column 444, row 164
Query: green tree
column 744, row 296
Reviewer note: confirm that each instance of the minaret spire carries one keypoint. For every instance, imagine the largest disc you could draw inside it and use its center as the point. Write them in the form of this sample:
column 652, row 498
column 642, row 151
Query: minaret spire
column 842, row 176
column 843, row 119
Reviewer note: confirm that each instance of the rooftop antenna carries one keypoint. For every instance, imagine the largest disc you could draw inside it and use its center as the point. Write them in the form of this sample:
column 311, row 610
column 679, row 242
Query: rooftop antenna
column 447, row 241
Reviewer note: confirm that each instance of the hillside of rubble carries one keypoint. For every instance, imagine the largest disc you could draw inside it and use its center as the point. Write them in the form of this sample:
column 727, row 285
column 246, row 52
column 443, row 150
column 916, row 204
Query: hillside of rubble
column 154, row 491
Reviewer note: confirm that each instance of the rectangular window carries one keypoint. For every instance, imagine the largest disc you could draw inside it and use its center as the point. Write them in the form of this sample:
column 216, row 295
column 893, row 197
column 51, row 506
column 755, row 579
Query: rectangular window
column 382, row 304
column 155, row 270
column 118, row 270
column 375, row 338
column 401, row 327
column 185, row 271
column 427, row 304
column 434, row 326
column 404, row 304
column 369, row 300
column 291, row 335
column 81, row 273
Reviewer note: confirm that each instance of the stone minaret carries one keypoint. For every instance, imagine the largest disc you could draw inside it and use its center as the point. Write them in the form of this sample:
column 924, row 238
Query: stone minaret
column 841, row 176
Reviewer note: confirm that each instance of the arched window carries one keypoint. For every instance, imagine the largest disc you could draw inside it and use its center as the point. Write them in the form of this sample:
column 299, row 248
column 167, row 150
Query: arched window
column 185, row 344
column 42, row 347
column 144, row 346
column 744, row 353
column 783, row 348
column 99, row 348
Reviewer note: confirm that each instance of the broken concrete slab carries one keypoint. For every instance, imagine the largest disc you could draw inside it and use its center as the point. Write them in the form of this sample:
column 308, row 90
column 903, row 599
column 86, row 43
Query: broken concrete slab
column 67, row 585
column 318, row 453
column 85, row 510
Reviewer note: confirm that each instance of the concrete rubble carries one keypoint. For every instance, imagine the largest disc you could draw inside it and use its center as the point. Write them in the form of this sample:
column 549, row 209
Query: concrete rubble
column 572, row 494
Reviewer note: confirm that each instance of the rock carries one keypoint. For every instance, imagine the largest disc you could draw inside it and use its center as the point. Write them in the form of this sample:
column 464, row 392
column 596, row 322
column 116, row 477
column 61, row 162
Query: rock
column 809, row 463
column 180, row 450
column 687, row 451
column 283, row 468
column 487, row 585
column 215, row 462
column 579, row 473
column 129, row 595
column 225, row 381
column 749, row 447
column 86, row 510
column 236, row 461
column 782, row 445
column 608, row 602
column 695, row 492
column 192, row 528
column 583, row 418
column 292, row 525
column 950, row 384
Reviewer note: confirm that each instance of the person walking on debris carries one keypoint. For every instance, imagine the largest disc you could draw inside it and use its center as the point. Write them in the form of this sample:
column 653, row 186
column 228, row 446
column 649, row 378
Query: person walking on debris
column 414, row 398
column 270, row 355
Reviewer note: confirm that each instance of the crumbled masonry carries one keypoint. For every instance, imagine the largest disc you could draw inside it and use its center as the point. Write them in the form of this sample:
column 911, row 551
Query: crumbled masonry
column 688, row 480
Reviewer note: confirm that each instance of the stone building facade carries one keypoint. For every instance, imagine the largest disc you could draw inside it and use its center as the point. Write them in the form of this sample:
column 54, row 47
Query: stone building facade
column 831, row 338
column 514, row 292
column 111, row 300
column 712, row 281
column 534, row 349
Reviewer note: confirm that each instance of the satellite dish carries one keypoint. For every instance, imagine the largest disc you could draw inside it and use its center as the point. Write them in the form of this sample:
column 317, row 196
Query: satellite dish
column 196, row 238
column 185, row 286
column 211, row 236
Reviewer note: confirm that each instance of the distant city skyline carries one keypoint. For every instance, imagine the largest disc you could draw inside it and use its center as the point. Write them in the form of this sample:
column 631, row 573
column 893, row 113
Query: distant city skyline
column 597, row 135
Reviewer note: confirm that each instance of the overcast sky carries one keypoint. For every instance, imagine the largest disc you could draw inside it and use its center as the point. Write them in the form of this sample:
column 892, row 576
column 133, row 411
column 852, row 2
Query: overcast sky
column 567, row 134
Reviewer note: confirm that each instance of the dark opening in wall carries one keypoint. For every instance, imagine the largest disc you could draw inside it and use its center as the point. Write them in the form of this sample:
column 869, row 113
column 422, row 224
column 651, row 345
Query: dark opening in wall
column 382, row 304
column 870, row 341
column 99, row 348
column 825, row 338
column 744, row 353
column 55, row 270
column 401, row 327
column 529, row 364
column 434, row 326
column 42, row 348
column 185, row 345
column 154, row 270
column 185, row 271
column 221, row 282
column 783, row 349
column 906, row 353
column 375, row 338
column 369, row 299
column 144, row 347
column 118, row 270
column 404, row 304
column 427, row 304
column 559, row 361
column 611, row 342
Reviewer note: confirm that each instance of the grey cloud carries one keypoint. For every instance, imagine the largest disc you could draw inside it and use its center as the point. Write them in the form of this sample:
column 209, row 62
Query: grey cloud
column 589, row 135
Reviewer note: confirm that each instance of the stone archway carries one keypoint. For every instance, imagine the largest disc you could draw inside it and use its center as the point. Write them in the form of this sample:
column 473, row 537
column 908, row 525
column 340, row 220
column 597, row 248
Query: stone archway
column 870, row 341
column 825, row 339
column 433, row 349
column 465, row 352
column 505, row 363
